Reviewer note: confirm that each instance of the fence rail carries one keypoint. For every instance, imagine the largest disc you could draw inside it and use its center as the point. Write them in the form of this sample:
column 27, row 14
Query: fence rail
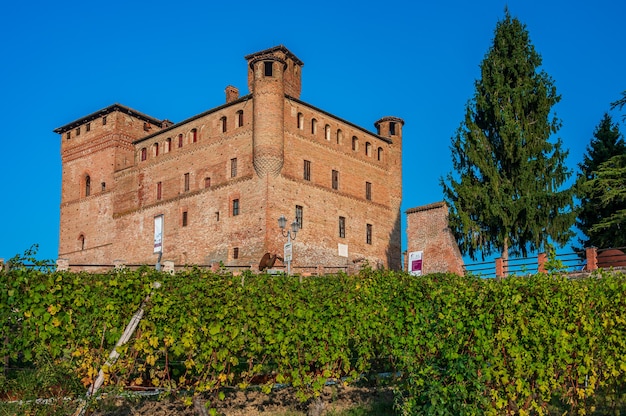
column 575, row 262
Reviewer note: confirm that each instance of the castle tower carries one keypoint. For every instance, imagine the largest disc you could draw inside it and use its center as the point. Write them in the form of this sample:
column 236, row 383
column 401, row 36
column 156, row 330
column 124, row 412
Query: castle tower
column 93, row 148
column 272, row 74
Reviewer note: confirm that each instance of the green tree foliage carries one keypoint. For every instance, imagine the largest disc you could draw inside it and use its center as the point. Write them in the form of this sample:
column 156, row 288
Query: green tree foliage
column 620, row 104
column 506, row 194
column 599, row 185
column 608, row 190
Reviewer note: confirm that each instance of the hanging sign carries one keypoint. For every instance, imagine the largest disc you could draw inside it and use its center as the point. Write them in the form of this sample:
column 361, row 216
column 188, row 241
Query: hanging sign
column 158, row 234
column 415, row 263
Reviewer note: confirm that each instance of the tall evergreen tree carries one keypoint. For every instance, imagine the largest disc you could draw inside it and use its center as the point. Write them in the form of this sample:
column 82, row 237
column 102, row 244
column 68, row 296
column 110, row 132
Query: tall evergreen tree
column 594, row 188
column 506, row 195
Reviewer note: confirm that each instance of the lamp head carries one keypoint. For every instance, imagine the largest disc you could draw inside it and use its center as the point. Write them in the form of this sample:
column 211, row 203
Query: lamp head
column 282, row 222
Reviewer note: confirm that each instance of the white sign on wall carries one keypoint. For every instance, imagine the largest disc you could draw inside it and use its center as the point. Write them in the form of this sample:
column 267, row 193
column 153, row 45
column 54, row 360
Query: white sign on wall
column 342, row 250
column 158, row 234
column 415, row 263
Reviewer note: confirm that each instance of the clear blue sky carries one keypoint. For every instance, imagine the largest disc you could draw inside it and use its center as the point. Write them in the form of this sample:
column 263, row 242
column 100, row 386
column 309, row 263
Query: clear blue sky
column 363, row 60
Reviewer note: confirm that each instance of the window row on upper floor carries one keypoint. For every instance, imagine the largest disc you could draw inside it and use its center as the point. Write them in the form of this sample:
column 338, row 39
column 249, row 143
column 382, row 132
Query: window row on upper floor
column 338, row 137
column 179, row 141
column 78, row 130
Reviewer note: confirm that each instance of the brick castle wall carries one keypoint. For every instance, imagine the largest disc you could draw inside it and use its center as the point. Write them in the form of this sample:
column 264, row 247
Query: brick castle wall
column 270, row 133
column 428, row 231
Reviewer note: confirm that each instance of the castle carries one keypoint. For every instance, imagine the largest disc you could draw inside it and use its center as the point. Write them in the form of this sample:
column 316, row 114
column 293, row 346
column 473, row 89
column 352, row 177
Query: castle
column 214, row 185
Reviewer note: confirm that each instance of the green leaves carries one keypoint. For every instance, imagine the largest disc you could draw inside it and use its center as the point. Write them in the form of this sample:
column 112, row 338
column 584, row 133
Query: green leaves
column 505, row 192
column 455, row 345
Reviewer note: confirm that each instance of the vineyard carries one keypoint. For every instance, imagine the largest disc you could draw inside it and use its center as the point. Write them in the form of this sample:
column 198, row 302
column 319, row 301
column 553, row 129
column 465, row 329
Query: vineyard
column 446, row 344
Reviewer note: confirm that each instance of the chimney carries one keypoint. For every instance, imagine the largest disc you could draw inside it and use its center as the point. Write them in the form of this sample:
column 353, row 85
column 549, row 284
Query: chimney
column 232, row 94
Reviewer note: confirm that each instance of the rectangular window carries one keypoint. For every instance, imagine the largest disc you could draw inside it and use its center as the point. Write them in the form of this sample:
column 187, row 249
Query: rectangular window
column 217, row 215
column 78, row 131
column 368, row 191
column 233, row 167
column 368, row 234
column 240, row 118
column 236, row 253
column 268, row 69
column 180, row 140
column 342, row 227
column 392, row 128
column 299, row 215
column 159, row 190
column 335, row 179
column 307, row 170
column 104, row 120
column 235, row 207
column 88, row 127
column 207, row 182
column 186, row 186
column 68, row 135
column 185, row 219
column 223, row 120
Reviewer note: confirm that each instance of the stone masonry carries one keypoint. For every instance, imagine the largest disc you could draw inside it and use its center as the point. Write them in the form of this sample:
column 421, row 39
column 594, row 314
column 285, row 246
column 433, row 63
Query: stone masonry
column 221, row 179
column 428, row 231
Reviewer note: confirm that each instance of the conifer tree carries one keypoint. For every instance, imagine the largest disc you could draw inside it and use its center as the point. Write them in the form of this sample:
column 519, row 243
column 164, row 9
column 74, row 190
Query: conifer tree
column 506, row 195
column 599, row 186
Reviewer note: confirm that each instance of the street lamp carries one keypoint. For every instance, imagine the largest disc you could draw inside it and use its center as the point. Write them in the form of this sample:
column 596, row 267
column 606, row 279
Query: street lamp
column 290, row 234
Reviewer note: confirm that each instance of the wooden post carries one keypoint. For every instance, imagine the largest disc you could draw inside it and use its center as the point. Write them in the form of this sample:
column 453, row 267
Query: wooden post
column 592, row 258
column 499, row 268
column 541, row 261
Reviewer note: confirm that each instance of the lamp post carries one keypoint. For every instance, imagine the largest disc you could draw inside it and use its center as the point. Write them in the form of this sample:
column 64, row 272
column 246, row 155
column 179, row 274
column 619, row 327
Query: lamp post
column 291, row 234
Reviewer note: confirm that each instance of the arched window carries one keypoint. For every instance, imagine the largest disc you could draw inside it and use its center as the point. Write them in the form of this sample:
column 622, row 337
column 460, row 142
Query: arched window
column 327, row 132
column 368, row 148
column 223, row 120
column 355, row 143
column 144, row 154
column 87, row 185
column 180, row 140
column 81, row 241
column 194, row 135
column 240, row 118
column 339, row 136
column 155, row 152
column 380, row 153
column 313, row 126
column 168, row 145
column 300, row 121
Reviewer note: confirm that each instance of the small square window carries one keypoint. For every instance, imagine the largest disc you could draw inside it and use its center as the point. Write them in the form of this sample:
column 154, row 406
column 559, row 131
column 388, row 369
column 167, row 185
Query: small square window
column 299, row 214
column 235, row 207
column 185, row 219
column 186, row 185
column 342, row 227
column 233, row 167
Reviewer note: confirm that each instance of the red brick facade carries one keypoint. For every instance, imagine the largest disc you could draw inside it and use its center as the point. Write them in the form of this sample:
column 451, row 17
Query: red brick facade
column 222, row 178
column 427, row 231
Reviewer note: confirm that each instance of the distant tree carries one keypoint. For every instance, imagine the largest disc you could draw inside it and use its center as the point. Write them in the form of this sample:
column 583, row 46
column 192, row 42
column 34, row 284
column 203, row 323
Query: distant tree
column 594, row 187
column 620, row 104
column 506, row 195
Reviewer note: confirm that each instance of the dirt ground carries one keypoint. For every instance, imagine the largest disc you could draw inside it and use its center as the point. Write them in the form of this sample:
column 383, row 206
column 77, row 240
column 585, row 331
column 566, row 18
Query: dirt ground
column 252, row 403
